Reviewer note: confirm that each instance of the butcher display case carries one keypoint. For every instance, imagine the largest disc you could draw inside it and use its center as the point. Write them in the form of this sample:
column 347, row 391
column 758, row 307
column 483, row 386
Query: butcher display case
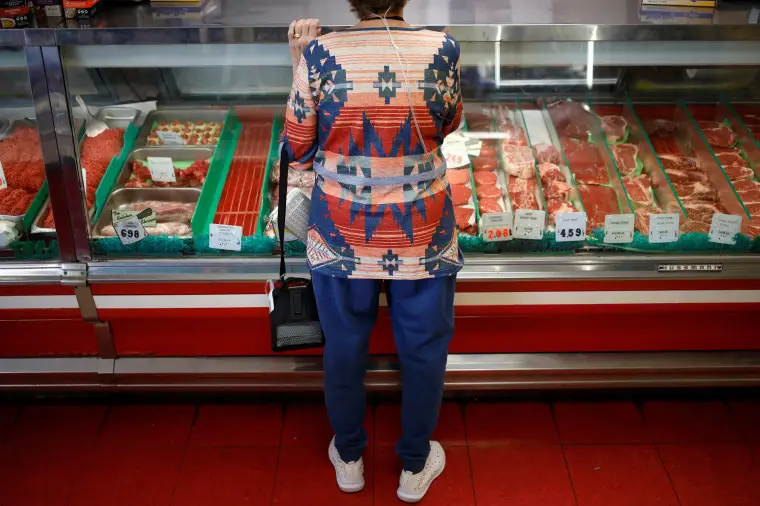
column 604, row 174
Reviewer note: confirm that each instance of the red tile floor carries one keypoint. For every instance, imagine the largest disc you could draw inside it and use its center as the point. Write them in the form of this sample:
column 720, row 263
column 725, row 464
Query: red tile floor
column 688, row 453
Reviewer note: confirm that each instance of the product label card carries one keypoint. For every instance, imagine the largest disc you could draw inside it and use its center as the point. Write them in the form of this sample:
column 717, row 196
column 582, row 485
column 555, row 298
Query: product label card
column 161, row 169
column 663, row 228
column 529, row 224
column 724, row 228
column 618, row 228
column 130, row 230
column 3, row 181
column 496, row 227
column 171, row 138
column 147, row 217
column 571, row 227
column 473, row 146
column 226, row 237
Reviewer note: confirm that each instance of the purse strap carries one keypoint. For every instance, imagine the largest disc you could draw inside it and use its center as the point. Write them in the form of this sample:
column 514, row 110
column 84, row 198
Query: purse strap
column 283, row 192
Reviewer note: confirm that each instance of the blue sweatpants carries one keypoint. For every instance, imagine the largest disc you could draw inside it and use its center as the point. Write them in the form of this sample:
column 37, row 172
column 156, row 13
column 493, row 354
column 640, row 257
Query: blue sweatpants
column 422, row 313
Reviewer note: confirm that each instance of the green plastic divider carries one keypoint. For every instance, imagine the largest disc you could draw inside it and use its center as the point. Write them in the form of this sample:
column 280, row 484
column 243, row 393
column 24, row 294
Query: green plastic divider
column 217, row 175
column 112, row 172
column 35, row 207
column 272, row 157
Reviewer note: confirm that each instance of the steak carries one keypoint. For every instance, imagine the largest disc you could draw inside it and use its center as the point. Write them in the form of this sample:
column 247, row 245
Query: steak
column 518, row 161
column 486, row 205
column 696, row 192
column 482, row 163
column 556, row 190
column 730, row 158
column 744, row 185
column 625, row 157
column 599, row 201
column 488, row 191
column 555, row 207
column 546, row 153
column 700, row 211
column 460, row 194
column 484, row 177
column 614, row 127
column 660, row 127
column 590, row 174
column 525, row 200
column 458, row 176
column 737, row 173
column 550, row 172
column 677, row 162
column 519, row 185
column 639, row 190
column 513, row 134
column 465, row 217
column 642, row 215
column 695, row 227
column 717, row 134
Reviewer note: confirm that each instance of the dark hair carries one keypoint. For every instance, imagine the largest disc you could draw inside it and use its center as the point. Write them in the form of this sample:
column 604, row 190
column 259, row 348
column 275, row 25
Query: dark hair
column 365, row 8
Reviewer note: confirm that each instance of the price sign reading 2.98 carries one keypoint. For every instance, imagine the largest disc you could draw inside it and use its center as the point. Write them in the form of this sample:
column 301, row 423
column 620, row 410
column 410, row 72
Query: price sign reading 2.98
column 496, row 227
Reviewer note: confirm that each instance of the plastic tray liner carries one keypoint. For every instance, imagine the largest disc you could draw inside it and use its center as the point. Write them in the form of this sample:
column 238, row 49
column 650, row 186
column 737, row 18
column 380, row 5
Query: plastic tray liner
column 242, row 194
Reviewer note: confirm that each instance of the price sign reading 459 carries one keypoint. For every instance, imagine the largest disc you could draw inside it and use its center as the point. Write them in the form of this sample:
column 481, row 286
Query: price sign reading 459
column 571, row 227
column 496, row 227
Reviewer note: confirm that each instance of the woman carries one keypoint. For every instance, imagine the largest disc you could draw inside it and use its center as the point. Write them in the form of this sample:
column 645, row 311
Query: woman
column 369, row 109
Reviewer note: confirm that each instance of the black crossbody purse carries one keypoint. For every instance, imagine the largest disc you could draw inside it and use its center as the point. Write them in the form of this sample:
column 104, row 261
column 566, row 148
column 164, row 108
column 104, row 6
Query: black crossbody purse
column 294, row 320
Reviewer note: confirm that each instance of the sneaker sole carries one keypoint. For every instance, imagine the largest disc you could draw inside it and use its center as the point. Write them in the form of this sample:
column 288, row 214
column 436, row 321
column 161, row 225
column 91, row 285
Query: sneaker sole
column 417, row 498
column 341, row 486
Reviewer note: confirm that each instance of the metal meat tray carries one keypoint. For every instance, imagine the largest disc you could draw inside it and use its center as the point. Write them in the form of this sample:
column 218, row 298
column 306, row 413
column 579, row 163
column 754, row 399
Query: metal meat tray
column 36, row 228
column 176, row 153
column 134, row 195
column 183, row 115
column 117, row 116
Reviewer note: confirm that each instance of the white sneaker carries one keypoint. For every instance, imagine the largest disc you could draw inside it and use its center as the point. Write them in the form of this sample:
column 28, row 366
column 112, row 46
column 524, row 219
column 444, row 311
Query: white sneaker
column 413, row 487
column 350, row 475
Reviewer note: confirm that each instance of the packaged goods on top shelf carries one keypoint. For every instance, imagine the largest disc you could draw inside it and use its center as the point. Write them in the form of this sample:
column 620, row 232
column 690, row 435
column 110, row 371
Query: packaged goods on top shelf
column 23, row 168
column 696, row 178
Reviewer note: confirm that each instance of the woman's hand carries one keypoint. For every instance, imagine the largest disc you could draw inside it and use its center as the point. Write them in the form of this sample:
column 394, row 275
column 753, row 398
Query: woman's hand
column 300, row 33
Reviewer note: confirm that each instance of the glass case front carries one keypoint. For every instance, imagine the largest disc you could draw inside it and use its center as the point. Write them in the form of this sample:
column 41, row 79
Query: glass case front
column 565, row 147
column 27, row 227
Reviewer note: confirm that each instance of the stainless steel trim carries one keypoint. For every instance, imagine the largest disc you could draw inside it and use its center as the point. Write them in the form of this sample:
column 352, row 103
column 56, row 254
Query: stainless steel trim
column 70, row 174
column 30, row 273
column 555, row 371
column 477, row 268
column 11, row 38
column 45, row 126
column 39, row 37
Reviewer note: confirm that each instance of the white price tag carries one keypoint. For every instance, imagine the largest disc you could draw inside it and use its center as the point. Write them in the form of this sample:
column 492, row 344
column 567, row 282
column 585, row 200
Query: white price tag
column 3, row 181
column 496, row 227
column 171, row 138
column 571, row 227
column 724, row 228
column 84, row 177
column 618, row 228
column 663, row 228
column 161, row 169
column 130, row 230
column 529, row 224
column 227, row 237
column 454, row 150
column 473, row 147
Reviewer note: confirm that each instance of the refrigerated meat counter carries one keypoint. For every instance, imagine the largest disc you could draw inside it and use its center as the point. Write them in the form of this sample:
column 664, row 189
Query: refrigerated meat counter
column 605, row 178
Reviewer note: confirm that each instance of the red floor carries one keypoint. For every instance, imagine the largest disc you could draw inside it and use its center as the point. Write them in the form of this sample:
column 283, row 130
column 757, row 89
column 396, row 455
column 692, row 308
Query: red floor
column 700, row 453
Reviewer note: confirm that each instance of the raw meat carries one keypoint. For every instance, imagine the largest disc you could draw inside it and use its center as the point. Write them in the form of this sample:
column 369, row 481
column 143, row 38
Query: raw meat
column 486, row 205
column 21, row 158
column 525, row 200
column 191, row 133
column 555, row 207
column 625, row 157
column 460, row 194
column 660, row 127
column 695, row 227
column 556, row 190
column 730, row 158
column 701, row 211
column 546, row 153
column 586, row 163
column 599, row 201
column 639, row 190
column 465, row 217
column 717, row 134
column 744, row 185
column 593, row 175
column 513, row 134
column 519, row 185
column 191, row 177
column 172, row 229
column 479, row 122
column 177, row 212
column 677, row 162
column 485, row 178
column 484, row 163
column 15, row 201
column 550, row 172
column 458, row 176
column 614, row 127
column 488, row 191
column 736, row 173
column 642, row 215
column 518, row 161
column 487, row 150
column 97, row 153
column 696, row 192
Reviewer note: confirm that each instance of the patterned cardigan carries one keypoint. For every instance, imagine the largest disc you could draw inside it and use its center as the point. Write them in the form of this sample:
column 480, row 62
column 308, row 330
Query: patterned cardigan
column 381, row 207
